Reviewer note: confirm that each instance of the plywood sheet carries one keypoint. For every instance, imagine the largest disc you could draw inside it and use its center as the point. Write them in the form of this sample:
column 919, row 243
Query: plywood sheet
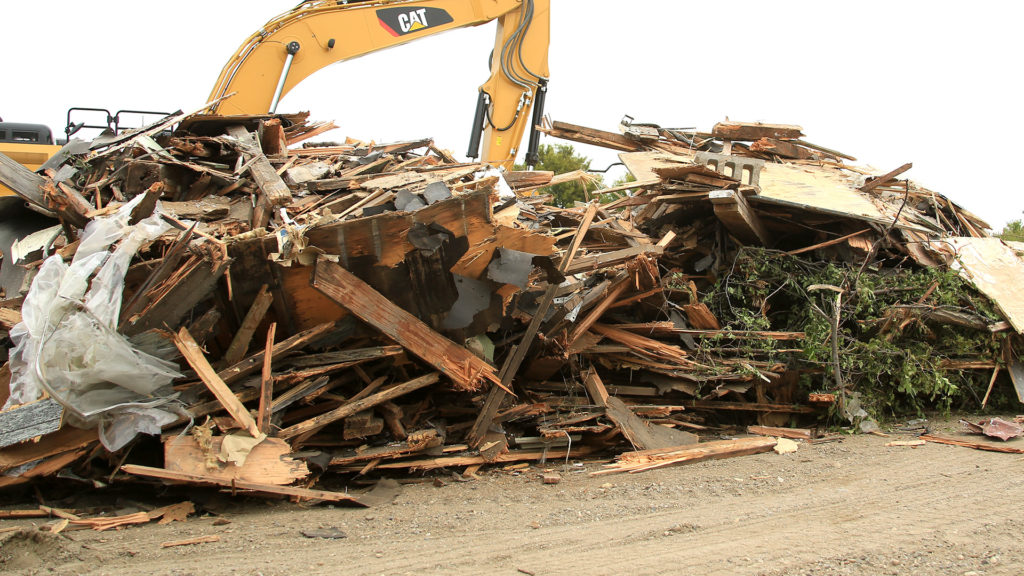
column 994, row 269
column 816, row 187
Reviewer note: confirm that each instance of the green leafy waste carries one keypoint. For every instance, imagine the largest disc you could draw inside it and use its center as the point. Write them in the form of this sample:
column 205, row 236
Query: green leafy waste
column 891, row 349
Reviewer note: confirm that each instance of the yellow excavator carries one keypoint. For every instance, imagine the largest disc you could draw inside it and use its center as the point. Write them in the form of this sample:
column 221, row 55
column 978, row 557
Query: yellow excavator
column 317, row 33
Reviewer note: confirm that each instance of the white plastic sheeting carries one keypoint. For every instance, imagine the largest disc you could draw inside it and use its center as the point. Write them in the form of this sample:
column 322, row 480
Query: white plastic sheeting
column 68, row 346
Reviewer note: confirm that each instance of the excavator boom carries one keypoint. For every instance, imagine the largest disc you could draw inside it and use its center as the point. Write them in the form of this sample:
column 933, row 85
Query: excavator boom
column 315, row 34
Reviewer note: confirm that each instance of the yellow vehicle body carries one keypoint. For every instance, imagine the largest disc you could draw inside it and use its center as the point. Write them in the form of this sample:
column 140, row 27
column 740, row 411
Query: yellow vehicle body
column 315, row 34
column 32, row 156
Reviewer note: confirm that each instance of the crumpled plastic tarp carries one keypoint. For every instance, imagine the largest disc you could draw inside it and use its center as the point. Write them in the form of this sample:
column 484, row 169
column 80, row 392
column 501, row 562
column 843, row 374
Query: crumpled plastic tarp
column 68, row 345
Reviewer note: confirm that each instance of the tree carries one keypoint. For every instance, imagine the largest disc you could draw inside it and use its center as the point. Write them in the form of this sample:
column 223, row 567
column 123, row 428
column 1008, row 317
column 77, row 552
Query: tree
column 1013, row 231
column 562, row 158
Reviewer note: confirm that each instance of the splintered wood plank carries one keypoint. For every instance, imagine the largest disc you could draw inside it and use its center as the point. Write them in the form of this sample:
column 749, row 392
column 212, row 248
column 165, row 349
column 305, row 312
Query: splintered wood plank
column 197, row 360
column 585, row 135
column 266, row 384
column 595, row 387
column 783, row 148
column 351, row 408
column 67, row 439
column 595, row 314
column 269, row 462
column 253, row 363
column 650, row 459
column 510, row 368
column 238, row 484
column 640, row 433
column 270, row 184
column 594, row 262
column 45, row 468
column 510, row 456
column 190, row 286
column 240, row 343
column 886, row 178
column 463, row 367
column 755, row 131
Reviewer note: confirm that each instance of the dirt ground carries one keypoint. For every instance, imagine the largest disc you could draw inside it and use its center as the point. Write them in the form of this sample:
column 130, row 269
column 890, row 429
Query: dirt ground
column 849, row 507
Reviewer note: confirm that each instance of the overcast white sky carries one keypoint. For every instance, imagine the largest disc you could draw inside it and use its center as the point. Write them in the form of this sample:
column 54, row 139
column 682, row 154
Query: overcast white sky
column 933, row 83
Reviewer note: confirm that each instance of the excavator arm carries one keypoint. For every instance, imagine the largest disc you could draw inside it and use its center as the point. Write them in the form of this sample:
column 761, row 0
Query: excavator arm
column 294, row 45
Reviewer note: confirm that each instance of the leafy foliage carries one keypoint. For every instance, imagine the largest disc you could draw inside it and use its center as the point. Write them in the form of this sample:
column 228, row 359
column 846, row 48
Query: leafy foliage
column 889, row 349
column 562, row 158
column 1013, row 231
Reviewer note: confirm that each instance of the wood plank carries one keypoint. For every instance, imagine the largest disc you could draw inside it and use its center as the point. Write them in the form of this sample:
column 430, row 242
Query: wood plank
column 733, row 210
column 594, row 262
column 968, row 444
column 66, row 439
column 195, row 283
column 240, row 343
column 792, row 433
column 650, row 459
column 269, row 462
column 886, row 178
column 786, row 149
column 253, row 363
column 592, row 136
column 263, row 173
column 238, row 484
column 584, row 324
column 749, row 406
column 358, row 406
column 266, row 384
column 510, row 456
column 463, row 367
column 197, row 360
column 755, row 131
column 595, row 387
column 642, row 434
column 30, row 420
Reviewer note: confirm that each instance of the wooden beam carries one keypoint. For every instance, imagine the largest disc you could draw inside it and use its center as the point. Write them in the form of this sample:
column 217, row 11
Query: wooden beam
column 195, row 358
column 595, row 387
column 595, row 314
column 253, row 363
column 783, row 148
column 585, row 135
column 640, row 433
column 650, row 459
column 358, row 406
column 594, row 262
column 755, row 131
column 463, row 367
column 733, row 210
column 266, row 384
column 238, row 484
column 240, row 343
column 886, row 178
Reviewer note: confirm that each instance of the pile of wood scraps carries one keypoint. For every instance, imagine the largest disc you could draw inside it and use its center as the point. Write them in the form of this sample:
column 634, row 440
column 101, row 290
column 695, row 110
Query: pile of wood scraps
column 358, row 308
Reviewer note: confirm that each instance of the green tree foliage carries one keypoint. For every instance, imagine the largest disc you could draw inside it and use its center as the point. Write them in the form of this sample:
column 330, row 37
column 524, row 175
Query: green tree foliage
column 562, row 158
column 624, row 179
column 1013, row 231
column 892, row 357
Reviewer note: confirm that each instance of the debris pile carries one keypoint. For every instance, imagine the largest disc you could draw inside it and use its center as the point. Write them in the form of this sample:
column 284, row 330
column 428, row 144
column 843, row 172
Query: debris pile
column 272, row 312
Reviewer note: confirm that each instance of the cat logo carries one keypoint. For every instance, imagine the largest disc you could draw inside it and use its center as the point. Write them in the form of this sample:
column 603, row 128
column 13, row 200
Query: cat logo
column 402, row 21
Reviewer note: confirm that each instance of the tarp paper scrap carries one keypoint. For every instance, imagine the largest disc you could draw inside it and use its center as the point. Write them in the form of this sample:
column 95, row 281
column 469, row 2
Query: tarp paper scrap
column 67, row 343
